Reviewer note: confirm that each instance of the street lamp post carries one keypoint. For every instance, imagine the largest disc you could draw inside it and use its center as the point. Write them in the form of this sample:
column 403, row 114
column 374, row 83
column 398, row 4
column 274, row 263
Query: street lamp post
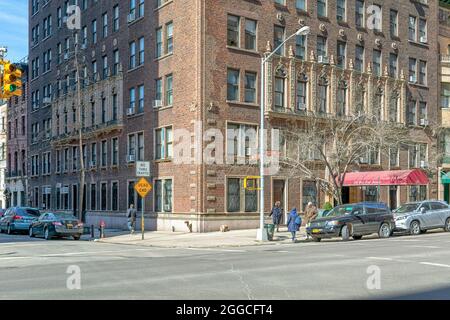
column 261, row 235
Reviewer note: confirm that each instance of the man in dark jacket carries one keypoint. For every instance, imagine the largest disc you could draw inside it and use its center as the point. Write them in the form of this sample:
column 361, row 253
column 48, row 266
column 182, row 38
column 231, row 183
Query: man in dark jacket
column 131, row 215
column 276, row 214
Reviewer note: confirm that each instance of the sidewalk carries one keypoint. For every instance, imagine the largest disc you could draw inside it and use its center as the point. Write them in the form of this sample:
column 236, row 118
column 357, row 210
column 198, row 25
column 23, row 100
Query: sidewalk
column 167, row 239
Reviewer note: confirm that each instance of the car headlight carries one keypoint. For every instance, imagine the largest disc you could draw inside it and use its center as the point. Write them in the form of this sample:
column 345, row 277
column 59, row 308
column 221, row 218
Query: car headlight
column 332, row 223
column 400, row 218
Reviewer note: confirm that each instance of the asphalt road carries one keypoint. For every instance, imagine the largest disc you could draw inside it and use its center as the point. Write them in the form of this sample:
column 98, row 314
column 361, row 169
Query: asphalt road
column 402, row 267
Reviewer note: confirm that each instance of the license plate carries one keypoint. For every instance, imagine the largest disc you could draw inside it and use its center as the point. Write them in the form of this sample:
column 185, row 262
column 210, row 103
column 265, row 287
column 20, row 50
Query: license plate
column 316, row 231
column 69, row 226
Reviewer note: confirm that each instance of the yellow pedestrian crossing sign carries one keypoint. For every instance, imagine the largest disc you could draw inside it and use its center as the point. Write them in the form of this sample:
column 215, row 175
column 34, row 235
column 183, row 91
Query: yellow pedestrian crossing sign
column 143, row 187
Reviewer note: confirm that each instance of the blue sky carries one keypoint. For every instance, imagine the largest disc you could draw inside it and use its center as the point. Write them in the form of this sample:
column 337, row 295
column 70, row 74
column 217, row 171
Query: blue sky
column 14, row 28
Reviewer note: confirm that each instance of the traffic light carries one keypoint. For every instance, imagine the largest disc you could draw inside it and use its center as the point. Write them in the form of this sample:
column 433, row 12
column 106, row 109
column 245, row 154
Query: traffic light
column 12, row 82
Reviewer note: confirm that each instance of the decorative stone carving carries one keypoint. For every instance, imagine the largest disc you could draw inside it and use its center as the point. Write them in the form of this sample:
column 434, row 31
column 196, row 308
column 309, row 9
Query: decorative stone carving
column 268, row 47
column 322, row 27
column 332, row 62
column 280, row 17
column 360, row 37
column 342, row 33
column 378, row 42
column 312, row 56
column 394, row 46
column 301, row 22
column 291, row 52
column 350, row 64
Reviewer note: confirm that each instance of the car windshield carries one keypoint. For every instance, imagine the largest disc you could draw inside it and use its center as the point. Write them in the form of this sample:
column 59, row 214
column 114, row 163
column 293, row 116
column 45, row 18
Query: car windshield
column 409, row 207
column 31, row 212
column 341, row 211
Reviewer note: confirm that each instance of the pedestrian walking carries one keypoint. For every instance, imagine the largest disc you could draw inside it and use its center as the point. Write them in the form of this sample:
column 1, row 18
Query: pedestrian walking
column 294, row 222
column 131, row 215
column 276, row 214
column 311, row 214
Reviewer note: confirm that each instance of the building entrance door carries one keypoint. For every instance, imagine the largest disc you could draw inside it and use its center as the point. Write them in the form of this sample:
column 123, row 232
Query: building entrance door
column 278, row 188
column 393, row 197
column 447, row 192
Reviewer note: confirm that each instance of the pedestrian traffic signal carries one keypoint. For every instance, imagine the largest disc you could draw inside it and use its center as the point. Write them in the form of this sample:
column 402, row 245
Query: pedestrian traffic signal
column 12, row 82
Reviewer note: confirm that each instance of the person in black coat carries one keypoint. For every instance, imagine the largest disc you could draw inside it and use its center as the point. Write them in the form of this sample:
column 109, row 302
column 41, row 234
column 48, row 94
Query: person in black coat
column 276, row 214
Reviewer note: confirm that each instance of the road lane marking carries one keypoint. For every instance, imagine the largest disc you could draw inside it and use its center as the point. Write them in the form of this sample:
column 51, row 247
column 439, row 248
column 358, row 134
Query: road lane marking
column 219, row 250
column 435, row 264
column 426, row 247
column 380, row 258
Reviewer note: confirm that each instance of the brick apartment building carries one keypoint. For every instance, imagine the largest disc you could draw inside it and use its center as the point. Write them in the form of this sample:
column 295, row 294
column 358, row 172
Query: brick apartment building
column 152, row 68
column 17, row 144
column 444, row 51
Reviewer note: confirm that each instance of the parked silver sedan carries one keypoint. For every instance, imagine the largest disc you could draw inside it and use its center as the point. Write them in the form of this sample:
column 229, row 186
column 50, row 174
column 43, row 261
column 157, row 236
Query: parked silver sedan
column 418, row 217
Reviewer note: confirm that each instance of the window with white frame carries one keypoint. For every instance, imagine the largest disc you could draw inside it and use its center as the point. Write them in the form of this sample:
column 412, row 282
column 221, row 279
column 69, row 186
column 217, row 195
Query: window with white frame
column 241, row 143
column 163, row 195
column 163, row 143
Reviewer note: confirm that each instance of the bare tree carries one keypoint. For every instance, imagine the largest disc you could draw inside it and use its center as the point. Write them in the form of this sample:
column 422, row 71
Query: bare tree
column 338, row 146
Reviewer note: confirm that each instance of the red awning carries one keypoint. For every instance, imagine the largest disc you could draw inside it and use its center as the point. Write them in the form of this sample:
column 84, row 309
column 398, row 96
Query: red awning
column 386, row 178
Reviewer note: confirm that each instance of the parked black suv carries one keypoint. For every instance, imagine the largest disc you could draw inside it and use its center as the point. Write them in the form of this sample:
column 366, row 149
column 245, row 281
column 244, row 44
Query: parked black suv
column 354, row 220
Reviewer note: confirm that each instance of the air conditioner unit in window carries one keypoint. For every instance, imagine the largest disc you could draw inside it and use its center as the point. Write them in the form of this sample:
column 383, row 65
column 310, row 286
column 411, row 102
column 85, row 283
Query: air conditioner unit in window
column 423, row 164
column 412, row 79
column 157, row 103
column 323, row 59
column 363, row 160
column 131, row 17
column 47, row 100
column 66, row 56
column 131, row 158
column 423, row 122
column 423, row 39
column 130, row 111
column 92, row 164
column 83, row 46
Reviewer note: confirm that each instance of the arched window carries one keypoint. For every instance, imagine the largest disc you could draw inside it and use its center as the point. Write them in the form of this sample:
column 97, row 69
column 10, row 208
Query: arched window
column 280, row 88
column 341, row 108
column 301, row 95
column 323, row 95
column 360, row 98
column 377, row 104
column 393, row 106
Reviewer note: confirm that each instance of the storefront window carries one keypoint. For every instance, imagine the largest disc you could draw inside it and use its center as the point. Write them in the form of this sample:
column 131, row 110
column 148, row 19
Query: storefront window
column 309, row 193
column 371, row 193
column 417, row 193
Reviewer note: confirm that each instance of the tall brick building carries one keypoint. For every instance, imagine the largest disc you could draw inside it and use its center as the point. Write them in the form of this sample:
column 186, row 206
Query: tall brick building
column 153, row 69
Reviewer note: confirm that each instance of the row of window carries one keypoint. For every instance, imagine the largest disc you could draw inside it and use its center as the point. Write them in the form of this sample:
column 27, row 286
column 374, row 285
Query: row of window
column 68, row 158
column 103, row 196
column 417, row 27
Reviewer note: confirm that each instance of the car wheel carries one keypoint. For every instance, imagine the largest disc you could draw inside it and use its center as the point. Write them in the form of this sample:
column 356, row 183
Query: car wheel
column 447, row 225
column 31, row 233
column 317, row 239
column 345, row 233
column 414, row 229
column 357, row 237
column 47, row 234
column 8, row 229
column 385, row 231
column 76, row 237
